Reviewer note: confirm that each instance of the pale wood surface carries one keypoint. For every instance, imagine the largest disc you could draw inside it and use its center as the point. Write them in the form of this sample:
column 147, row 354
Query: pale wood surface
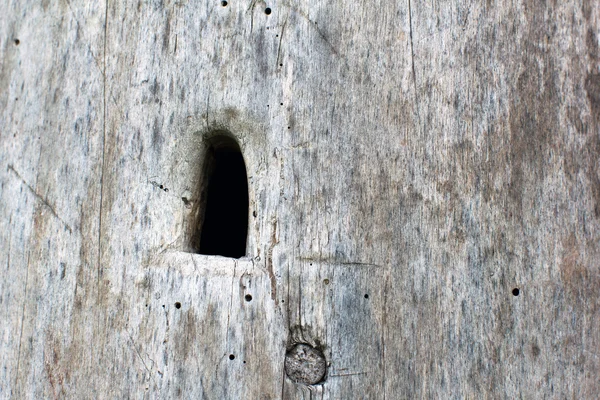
column 432, row 155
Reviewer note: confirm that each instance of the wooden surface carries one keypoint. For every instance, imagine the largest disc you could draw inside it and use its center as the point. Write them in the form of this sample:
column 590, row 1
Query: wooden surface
column 431, row 155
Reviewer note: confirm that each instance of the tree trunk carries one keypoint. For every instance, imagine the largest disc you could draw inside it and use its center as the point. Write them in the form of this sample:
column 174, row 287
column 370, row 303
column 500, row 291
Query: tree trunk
column 423, row 190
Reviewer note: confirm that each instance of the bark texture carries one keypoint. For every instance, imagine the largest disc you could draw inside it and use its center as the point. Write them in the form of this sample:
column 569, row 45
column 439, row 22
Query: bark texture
column 409, row 164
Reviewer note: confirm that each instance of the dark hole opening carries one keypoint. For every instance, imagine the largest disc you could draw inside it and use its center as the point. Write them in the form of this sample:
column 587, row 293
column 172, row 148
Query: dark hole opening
column 224, row 222
column 231, row 357
column 178, row 305
column 515, row 291
column 248, row 297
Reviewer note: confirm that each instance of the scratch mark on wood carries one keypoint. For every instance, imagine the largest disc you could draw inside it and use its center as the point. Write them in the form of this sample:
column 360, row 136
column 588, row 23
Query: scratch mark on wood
column 78, row 25
column 282, row 383
column 251, row 9
column 316, row 27
column 412, row 51
column 300, row 298
column 348, row 374
column 169, row 246
column 140, row 357
column 40, row 197
column 230, row 303
column 280, row 39
column 168, row 330
column 333, row 262
column 22, row 321
column 325, row 39
column 274, row 242
column 300, row 146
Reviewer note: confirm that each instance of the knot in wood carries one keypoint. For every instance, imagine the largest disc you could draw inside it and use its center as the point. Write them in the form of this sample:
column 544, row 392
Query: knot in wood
column 305, row 364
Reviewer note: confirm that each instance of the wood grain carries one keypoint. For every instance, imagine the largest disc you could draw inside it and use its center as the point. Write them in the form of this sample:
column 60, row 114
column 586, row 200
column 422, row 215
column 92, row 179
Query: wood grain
column 409, row 164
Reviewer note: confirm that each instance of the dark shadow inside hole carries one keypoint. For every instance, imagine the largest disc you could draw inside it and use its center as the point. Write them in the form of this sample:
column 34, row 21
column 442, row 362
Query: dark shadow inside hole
column 223, row 224
column 515, row 291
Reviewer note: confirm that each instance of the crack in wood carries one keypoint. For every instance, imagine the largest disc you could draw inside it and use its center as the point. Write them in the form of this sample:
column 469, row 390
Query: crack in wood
column 274, row 242
column 334, row 262
column 280, row 39
column 22, row 322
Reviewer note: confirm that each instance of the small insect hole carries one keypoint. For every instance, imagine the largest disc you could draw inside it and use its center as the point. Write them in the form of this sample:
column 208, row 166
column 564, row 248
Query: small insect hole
column 366, row 296
column 248, row 297
column 17, row 42
column 268, row 11
column 515, row 291
column 224, row 3
column 231, row 357
column 178, row 305
column 326, row 281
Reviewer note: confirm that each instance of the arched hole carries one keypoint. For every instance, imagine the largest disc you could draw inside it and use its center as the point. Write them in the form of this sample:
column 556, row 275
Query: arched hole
column 222, row 223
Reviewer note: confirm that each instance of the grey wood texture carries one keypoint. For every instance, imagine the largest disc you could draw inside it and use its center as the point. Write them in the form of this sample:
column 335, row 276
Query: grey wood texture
column 431, row 155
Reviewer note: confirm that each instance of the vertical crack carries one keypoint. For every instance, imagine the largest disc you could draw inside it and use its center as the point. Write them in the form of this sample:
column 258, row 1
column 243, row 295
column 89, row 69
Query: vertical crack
column 22, row 323
column 99, row 268
column 412, row 51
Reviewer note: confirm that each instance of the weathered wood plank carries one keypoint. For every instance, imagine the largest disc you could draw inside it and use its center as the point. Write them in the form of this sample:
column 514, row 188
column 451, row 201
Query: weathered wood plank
column 51, row 153
column 409, row 165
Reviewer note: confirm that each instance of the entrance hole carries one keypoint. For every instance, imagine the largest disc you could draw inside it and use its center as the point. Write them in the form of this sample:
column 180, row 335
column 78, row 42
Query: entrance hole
column 222, row 226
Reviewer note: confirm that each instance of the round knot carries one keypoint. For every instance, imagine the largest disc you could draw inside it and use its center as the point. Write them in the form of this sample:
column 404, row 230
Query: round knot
column 305, row 364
